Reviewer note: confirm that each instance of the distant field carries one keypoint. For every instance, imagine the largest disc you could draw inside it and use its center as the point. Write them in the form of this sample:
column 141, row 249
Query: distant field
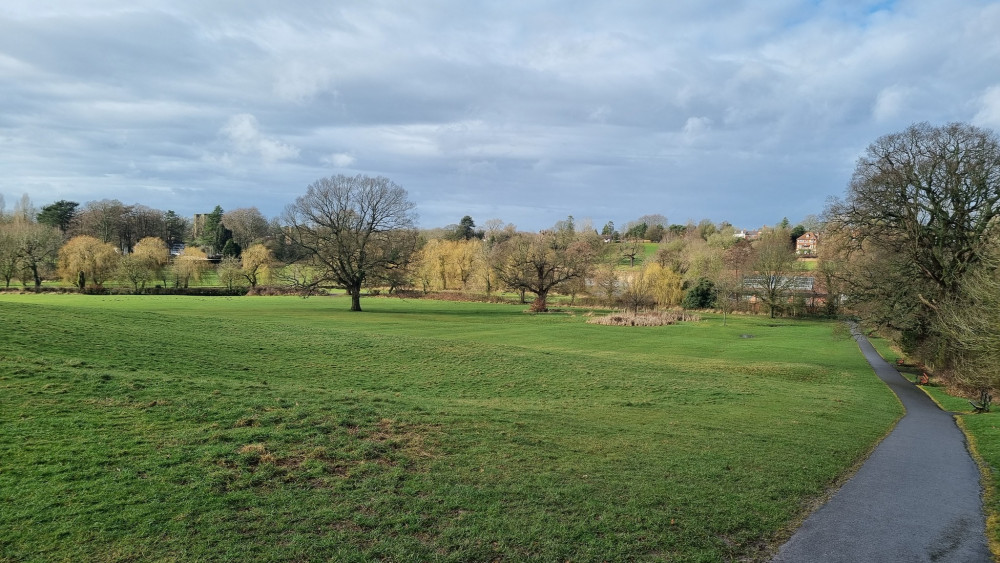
column 290, row 429
column 649, row 250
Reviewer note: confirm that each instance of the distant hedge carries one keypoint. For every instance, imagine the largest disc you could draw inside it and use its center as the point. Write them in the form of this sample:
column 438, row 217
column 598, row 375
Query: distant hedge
column 97, row 290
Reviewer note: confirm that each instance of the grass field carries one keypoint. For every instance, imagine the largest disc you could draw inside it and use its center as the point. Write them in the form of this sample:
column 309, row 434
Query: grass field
column 151, row 428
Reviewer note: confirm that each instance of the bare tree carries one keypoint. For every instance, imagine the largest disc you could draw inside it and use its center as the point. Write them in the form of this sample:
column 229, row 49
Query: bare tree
column 631, row 248
column 929, row 196
column 353, row 228
column 607, row 284
column 101, row 219
column 24, row 210
column 230, row 274
column 37, row 247
column 540, row 262
column 671, row 255
column 637, row 291
column 134, row 269
column 774, row 265
column 728, row 287
column 140, row 222
column 247, row 225
column 9, row 257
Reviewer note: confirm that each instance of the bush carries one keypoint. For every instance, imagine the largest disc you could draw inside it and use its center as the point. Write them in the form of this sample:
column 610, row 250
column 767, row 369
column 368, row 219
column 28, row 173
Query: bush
column 701, row 296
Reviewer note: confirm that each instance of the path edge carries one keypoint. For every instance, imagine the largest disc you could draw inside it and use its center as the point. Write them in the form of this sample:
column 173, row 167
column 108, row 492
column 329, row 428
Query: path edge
column 811, row 505
column 989, row 490
column 985, row 471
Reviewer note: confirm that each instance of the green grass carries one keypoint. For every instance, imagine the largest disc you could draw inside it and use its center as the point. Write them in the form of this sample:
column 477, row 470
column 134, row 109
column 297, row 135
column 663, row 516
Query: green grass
column 808, row 264
column 287, row 428
column 649, row 251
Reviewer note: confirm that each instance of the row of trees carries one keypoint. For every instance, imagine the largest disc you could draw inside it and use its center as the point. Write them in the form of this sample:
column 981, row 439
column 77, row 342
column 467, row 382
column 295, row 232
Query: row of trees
column 31, row 239
column 358, row 231
column 112, row 221
column 86, row 261
column 690, row 259
column 27, row 247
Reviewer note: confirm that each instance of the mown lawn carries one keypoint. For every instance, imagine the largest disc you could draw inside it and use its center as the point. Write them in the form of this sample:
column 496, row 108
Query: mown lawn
column 191, row 428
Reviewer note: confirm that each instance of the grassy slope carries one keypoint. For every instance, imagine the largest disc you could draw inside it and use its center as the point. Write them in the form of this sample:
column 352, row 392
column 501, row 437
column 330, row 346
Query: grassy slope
column 280, row 428
column 649, row 250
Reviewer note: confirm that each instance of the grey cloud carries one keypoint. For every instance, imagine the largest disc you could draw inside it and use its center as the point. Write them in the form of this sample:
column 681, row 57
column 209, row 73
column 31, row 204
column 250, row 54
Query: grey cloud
column 740, row 111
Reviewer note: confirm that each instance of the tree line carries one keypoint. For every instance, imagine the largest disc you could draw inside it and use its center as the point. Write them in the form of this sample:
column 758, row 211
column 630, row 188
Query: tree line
column 915, row 245
column 359, row 233
column 107, row 240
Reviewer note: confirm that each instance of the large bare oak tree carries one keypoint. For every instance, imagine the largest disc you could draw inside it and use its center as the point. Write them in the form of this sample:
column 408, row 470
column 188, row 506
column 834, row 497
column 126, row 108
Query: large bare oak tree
column 354, row 229
column 925, row 199
column 543, row 261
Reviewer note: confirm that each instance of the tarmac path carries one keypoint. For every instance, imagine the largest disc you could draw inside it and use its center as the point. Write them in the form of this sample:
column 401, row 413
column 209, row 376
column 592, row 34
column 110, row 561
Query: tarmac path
column 917, row 498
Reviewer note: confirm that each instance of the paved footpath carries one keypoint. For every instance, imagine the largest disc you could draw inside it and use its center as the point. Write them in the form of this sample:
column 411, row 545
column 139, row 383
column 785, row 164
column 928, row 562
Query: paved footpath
column 917, row 498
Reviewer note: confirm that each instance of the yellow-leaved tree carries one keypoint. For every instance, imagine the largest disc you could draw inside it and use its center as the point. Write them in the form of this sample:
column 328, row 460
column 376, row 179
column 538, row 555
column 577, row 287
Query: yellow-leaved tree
column 665, row 285
column 257, row 262
column 465, row 259
column 189, row 266
column 431, row 269
column 154, row 255
column 450, row 264
column 85, row 258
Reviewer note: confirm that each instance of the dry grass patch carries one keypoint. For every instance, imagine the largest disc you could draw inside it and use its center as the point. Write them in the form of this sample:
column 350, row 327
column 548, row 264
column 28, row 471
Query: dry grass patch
column 648, row 318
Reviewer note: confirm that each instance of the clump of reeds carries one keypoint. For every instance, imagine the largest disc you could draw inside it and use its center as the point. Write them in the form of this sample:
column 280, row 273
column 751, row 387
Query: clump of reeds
column 646, row 318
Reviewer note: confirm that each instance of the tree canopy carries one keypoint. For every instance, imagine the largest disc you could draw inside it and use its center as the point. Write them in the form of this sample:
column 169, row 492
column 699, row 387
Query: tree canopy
column 353, row 228
column 86, row 258
column 539, row 262
column 925, row 199
column 59, row 214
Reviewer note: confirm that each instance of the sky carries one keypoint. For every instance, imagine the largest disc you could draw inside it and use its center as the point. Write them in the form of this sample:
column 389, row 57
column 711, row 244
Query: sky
column 526, row 111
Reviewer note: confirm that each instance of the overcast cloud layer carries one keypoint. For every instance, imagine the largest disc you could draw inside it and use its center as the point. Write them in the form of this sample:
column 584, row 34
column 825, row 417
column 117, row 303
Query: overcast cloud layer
column 525, row 111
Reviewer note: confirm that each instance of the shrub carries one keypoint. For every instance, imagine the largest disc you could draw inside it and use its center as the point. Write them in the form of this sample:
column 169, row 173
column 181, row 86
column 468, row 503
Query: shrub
column 701, row 296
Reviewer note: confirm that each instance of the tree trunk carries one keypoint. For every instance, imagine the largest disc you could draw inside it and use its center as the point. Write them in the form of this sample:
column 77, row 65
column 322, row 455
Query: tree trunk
column 539, row 304
column 355, row 293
